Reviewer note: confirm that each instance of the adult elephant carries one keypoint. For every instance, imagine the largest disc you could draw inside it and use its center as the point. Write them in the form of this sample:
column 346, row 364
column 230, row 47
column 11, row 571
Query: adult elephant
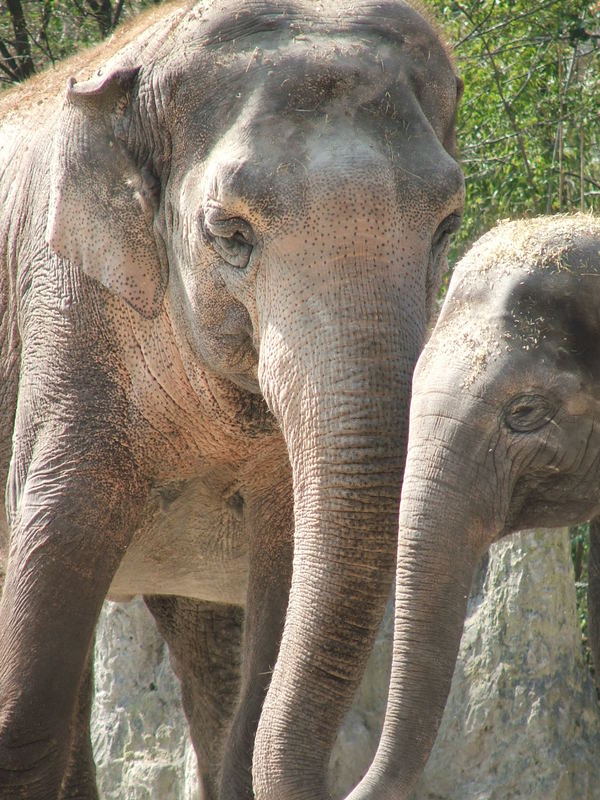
column 504, row 435
column 218, row 257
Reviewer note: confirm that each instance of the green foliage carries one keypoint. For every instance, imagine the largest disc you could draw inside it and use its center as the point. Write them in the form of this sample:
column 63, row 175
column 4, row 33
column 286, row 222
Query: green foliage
column 527, row 127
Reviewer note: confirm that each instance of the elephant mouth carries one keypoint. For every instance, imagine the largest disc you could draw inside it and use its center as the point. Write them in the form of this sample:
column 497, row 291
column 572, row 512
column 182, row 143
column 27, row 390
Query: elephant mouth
column 249, row 383
column 242, row 363
column 255, row 417
column 238, row 396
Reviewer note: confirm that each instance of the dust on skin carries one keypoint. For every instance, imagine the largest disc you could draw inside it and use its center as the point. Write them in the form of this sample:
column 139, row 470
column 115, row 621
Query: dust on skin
column 526, row 244
column 522, row 246
column 477, row 342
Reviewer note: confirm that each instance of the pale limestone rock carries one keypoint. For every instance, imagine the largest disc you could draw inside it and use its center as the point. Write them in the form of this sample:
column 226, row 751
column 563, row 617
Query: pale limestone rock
column 522, row 720
column 139, row 731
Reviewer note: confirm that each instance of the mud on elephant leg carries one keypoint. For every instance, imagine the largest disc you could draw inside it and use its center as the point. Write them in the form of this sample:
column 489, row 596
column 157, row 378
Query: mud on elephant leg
column 79, row 782
column 204, row 642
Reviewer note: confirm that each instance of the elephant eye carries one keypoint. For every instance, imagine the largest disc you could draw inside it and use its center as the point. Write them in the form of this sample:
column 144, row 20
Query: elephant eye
column 528, row 412
column 232, row 237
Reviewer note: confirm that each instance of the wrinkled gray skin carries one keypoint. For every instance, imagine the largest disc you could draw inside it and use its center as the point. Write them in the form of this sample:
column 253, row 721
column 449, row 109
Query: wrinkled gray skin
column 218, row 257
column 504, row 435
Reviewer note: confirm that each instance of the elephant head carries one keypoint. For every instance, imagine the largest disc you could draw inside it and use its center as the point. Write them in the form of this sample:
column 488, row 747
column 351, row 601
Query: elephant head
column 504, row 435
column 278, row 189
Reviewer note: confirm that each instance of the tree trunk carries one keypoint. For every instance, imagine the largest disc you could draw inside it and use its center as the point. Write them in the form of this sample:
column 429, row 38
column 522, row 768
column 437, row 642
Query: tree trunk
column 24, row 62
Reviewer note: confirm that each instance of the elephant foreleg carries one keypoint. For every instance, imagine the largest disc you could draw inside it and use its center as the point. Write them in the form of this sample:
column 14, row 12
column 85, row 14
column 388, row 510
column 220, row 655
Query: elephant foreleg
column 67, row 539
column 79, row 782
column 204, row 642
column 271, row 554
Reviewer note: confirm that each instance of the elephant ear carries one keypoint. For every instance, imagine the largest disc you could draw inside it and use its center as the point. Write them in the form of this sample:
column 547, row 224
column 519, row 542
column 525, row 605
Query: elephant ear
column 102, row 204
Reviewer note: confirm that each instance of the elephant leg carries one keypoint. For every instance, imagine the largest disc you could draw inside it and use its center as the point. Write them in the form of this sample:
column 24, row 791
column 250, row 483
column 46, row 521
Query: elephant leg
column 271, row 556
column 69, row 533
column 204, row 642
column 594, row 595
column 79, row 782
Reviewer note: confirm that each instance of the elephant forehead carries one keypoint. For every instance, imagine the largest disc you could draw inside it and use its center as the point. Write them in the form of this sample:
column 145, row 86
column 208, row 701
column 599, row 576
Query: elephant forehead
column 551, row 244
column 312, row 52
column 309, row 71
column 530, row 283
column 343, row 154
column 228, row 21
column 489, row 314
column 528, row 289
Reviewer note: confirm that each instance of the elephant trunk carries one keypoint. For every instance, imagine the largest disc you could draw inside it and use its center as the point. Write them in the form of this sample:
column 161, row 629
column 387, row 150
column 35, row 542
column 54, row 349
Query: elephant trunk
column 442, row 534
column 344, row 423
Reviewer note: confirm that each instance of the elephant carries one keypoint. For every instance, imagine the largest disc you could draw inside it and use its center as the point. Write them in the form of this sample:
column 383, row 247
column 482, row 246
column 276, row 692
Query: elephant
column 504, row 434
column 219, row 255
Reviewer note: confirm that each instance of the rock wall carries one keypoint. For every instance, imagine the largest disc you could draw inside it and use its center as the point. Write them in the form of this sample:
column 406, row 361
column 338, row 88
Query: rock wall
column 522, row 719
column 139, row 732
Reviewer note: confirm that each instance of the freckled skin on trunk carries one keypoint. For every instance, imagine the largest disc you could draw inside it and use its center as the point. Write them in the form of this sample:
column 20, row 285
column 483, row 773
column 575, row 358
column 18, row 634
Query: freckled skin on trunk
column 220, row 254
column 346, row 475
column 434, row 575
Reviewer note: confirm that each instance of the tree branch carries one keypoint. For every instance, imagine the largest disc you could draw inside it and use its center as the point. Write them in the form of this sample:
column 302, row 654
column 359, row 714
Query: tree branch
column 507, row 106
column 8, row 64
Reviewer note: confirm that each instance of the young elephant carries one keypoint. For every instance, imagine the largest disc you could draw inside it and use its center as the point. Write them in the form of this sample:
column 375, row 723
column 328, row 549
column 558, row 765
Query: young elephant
column 504, row 435
column 218, row 256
